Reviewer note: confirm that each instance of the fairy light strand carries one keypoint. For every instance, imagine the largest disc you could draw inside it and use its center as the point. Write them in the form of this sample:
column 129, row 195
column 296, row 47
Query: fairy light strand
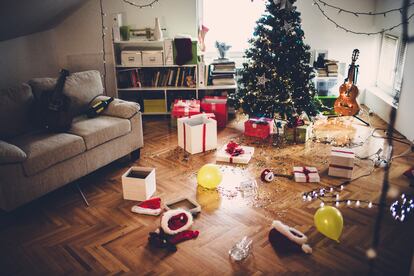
column 383, row 13
column 141, row 6
column 337, row 25
column 103, row 28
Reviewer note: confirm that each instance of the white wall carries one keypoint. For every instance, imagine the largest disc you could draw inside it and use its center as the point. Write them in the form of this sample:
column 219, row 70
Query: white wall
column 76, row 43
column 405, row 113
column 78, row 38
column 322, row 34
column 27, row 57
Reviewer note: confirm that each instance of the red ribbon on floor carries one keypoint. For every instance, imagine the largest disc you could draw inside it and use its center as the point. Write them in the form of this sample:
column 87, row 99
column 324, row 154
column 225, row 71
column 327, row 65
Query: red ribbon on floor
column 341, row 167
column 306, row 172
column 343, row 151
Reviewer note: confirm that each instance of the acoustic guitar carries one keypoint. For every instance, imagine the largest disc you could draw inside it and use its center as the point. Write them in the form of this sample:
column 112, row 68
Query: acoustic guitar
column 54, row 107
column 346, row 104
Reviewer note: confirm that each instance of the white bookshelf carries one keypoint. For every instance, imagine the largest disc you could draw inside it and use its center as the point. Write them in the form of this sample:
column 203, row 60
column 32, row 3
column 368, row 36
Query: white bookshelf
column 143, row 45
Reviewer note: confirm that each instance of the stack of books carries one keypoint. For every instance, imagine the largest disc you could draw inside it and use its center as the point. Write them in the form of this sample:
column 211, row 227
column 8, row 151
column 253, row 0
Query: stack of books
column 223, row 72
column 157, row 77
column 332, row 68
column 329, row 70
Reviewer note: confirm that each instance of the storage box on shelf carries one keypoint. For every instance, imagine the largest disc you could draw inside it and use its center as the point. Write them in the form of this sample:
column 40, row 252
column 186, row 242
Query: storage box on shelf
column 149, row 66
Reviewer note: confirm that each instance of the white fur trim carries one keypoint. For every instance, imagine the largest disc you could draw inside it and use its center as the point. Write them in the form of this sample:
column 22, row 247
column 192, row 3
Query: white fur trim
column 306, row 248
column 146, row 211
column 169, row 214
column 287, row 231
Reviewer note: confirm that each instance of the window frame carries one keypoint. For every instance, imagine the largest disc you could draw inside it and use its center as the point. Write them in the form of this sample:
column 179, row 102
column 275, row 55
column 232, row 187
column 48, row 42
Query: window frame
column 398, row 67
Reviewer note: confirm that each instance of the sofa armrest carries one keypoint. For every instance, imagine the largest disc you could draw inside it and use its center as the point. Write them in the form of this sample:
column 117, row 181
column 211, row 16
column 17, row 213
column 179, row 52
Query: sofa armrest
column 11, row 154
column 118, row 108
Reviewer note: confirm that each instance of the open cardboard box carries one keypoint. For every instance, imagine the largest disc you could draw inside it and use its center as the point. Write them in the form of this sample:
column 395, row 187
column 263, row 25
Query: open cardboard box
column 138, row 183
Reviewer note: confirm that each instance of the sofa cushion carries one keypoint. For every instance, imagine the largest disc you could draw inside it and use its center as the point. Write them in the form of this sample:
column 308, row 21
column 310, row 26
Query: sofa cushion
column 81, row 87
column 15, row 106
column 11, row 154
column 99, row 130
column 47, row 149
column 118, row 108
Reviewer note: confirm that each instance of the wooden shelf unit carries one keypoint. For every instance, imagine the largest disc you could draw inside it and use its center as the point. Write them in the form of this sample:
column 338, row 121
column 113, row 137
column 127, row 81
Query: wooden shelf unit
column 163, row 91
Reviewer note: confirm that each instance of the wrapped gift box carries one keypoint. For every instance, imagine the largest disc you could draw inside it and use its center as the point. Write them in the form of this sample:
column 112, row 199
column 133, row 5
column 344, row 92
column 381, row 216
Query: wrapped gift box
column 138, row 183
column 244, row 158
column 184, row 108
column 260, row 128
column 197, row 133
column 218, row 106
column 299, row 134
column 306, row 174
column 341, row 162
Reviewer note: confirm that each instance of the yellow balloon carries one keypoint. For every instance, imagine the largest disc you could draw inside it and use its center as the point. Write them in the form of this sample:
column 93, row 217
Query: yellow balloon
column 209, row 176
column 328, row 220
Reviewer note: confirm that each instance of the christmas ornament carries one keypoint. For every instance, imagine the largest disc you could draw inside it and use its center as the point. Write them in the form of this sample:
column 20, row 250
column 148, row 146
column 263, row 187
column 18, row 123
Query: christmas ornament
column 261, row 80
column 150, row 207
column 328, row 220
column 287, row 239
column 209, row 176
column 175, row 225
column 267, row 175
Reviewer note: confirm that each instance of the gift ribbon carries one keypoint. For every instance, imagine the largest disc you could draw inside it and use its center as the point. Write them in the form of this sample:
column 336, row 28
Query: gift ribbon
column 343, row 151
column 306, row 172
column 204, row 137
column 234, row 149
column 341, row 167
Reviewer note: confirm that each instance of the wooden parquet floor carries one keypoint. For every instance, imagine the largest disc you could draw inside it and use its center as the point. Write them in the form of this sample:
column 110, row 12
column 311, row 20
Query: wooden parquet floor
column 58, row 235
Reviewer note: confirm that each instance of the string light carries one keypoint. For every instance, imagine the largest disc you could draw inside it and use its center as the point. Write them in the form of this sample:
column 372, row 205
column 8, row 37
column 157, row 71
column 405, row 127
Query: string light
column 364, row 13
column 103, row 43
column 402, row 207
column 337, row 25
column 141, row 6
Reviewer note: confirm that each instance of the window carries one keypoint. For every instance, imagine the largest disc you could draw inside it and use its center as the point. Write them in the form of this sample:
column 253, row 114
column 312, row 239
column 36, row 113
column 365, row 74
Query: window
column 391, row 65
column 232, row 22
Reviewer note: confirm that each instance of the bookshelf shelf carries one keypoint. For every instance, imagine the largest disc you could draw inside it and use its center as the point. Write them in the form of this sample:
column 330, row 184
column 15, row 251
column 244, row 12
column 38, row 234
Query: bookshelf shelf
column 157, row 79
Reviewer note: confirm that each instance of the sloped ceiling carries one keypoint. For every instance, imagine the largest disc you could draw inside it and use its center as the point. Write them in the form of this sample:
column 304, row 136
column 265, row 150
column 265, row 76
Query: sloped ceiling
column 24, row 17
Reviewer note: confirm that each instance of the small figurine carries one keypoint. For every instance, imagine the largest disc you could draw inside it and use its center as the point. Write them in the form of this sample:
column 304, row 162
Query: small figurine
column 222, row 48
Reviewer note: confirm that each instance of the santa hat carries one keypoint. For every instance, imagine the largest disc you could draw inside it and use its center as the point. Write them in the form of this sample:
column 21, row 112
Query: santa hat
column 176, row 221
column 285, row 238
column 267, row 176
column 150, row 207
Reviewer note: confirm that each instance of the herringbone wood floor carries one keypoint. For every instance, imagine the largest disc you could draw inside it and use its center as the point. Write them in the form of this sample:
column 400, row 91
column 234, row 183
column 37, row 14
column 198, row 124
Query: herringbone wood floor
column 58, row 235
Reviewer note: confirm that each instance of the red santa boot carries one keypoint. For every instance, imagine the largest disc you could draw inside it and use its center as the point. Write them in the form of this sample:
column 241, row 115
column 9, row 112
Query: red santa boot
column 285, row 239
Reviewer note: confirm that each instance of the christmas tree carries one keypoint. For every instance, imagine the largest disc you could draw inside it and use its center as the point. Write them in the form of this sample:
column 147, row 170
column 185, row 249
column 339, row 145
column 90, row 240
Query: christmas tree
column 276, row 79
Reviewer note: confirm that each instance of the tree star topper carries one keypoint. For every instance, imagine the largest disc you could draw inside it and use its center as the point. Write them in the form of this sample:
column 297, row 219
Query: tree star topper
column 261, row 80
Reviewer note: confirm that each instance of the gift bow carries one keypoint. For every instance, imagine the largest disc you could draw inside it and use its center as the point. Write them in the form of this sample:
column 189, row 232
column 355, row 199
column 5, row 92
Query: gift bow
column 306, row 172
column 298, row 122
column 261, row 121
column 234, row 149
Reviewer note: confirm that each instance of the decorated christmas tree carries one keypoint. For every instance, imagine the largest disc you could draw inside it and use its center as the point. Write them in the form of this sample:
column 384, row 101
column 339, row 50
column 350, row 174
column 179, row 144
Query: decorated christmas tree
column 276, row 79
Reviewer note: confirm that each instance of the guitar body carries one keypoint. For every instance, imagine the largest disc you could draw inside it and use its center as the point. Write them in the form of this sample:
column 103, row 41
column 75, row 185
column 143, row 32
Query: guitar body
column 56, row 120
column 346, row 104
column 54, row 107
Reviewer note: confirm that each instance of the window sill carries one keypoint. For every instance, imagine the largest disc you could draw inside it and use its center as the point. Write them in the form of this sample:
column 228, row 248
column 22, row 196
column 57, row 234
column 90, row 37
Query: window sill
column 383, row 95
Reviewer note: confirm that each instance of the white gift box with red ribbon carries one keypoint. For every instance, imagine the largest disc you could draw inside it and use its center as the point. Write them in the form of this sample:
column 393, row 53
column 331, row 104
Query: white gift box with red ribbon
column 306, row 174
column 341, row 162
column 244, row 158
column 197, row 133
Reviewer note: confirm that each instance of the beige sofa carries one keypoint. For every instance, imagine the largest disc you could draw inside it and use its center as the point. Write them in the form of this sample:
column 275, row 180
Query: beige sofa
column 34, row 162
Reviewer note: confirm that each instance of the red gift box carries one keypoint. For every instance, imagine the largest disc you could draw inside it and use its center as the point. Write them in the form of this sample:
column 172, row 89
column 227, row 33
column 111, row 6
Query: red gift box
column 185, row 108
column 218, row 106
column 258, row 127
